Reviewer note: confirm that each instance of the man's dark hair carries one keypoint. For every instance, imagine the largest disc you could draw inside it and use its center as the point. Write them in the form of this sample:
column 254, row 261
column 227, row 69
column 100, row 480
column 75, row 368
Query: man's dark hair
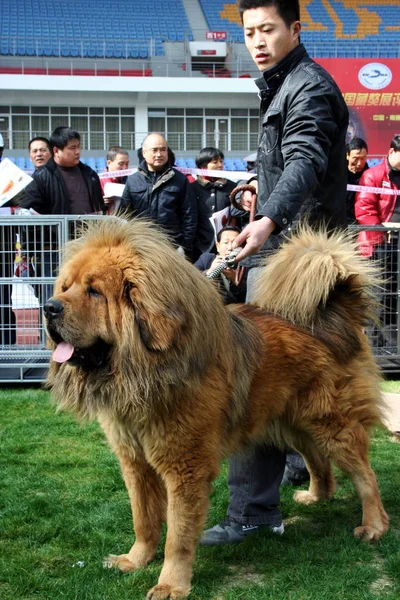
column 288, row 10
column 206, row 155
column 227, row 228
column 113, row 151
column 39, row 139
column 61, row 136
column 395, row 143
column 356, row 143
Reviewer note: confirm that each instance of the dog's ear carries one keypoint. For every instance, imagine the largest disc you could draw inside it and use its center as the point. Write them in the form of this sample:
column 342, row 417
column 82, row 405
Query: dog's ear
column 159, row 329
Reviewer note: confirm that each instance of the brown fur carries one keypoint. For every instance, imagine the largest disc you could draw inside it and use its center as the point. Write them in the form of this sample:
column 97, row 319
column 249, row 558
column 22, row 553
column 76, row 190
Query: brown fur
column 178, row 381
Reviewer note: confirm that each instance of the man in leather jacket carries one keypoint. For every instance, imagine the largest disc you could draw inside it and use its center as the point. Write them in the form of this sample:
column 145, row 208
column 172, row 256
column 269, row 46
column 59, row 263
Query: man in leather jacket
column 302, row 174
column 163, row 194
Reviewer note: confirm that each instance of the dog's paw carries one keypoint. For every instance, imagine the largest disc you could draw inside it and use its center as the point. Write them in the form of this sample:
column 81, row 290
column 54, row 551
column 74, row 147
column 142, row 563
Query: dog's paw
column 304, row 497
column 120, row 562
column 367, row 533
column 161, row 591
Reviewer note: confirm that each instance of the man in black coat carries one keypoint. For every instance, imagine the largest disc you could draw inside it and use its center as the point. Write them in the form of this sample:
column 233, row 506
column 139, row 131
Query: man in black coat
column 161, row 193
column 302, row 175
column 64, row 186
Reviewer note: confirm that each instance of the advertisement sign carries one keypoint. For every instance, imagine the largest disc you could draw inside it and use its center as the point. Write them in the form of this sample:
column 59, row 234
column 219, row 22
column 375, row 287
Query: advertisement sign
column 371, row 89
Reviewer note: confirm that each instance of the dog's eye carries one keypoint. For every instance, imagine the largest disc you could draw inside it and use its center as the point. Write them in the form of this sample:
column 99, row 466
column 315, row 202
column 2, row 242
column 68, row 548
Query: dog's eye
column 64, row 287
column 92, row 292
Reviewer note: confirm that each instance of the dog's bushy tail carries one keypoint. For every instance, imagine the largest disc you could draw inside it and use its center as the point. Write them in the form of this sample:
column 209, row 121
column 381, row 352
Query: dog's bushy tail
column 321, row 283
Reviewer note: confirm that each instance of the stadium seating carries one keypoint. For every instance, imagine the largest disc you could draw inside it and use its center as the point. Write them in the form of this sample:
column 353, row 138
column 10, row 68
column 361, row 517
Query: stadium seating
column 331, row 28
column 87, row 29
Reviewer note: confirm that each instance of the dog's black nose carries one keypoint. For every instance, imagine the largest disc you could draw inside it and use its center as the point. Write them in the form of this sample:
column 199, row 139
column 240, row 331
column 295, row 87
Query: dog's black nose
column 53, row 308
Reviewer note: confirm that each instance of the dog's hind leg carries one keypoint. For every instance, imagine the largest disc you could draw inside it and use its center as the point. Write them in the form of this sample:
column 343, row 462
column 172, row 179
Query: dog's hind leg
column 349, row 451
column 148, row 501
column 322, row 482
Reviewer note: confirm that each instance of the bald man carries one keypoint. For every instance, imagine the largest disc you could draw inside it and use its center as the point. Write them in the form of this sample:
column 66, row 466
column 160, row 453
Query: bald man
column 159, row 192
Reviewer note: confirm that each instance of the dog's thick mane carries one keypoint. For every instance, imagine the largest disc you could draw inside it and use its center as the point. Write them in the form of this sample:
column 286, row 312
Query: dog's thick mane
column 174, row 296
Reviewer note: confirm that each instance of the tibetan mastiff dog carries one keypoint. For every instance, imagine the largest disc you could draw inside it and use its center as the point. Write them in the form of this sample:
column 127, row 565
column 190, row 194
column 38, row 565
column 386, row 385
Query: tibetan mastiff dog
column 143, row 343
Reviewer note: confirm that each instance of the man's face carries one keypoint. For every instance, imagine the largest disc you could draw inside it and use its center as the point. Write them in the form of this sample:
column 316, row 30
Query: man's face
column 394, row 159
column 70, row 155
column 267, row 37
column 356, row 160
column 225, row 245
column 155, row 152
column 120, row 163
column 39, row 153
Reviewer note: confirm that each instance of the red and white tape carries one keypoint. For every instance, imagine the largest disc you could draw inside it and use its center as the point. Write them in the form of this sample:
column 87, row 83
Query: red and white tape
column 244, row 175
column 235, row 175
column 372, row 190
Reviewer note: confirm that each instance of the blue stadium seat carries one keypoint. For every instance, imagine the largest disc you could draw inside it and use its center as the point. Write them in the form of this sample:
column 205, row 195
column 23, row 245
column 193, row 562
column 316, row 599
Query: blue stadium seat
column 91, row 162
column 100, row 164
column 20, row 162
column 46, row 22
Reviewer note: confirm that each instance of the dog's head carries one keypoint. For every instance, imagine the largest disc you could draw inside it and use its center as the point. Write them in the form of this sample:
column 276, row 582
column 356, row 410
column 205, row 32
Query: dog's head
column 123, row 289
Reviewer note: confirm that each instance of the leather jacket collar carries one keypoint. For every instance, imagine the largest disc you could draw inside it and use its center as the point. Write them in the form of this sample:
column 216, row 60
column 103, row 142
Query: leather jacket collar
column 273, row 78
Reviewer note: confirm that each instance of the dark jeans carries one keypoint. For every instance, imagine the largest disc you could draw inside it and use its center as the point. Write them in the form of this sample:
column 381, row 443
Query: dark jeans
column 255, row 475
column 254, row 479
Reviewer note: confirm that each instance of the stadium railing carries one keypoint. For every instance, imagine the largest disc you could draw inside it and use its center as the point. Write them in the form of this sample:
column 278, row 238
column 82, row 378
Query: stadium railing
column 31, row 251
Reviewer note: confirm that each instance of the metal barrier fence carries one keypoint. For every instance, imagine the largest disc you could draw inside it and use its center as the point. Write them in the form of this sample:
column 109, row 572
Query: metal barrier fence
column 31, row 251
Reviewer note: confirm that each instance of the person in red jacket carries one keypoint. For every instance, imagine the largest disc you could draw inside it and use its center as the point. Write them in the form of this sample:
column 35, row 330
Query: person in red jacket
column 376, row 208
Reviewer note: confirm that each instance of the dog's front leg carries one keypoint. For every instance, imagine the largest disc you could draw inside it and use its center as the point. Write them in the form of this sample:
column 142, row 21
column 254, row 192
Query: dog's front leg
column 148, row 501
column 188, row 493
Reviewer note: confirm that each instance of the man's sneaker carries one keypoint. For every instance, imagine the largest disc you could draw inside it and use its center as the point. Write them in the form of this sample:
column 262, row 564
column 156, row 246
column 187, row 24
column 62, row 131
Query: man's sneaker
column 229, row 532
column 291, row 477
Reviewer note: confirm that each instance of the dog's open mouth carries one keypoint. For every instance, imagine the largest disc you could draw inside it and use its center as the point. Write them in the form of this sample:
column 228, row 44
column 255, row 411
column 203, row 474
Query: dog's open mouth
column 92, row 357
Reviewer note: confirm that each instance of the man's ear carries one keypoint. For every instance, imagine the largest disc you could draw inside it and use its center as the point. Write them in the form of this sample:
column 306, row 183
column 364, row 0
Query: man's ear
column 296, row 25
column 159, row 329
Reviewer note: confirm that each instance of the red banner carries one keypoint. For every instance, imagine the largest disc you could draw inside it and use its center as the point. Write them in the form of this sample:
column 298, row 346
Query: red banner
column 371, row 89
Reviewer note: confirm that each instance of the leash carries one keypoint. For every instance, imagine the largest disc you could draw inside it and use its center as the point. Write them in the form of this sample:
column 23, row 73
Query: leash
column 228, row 261
column 239, row 189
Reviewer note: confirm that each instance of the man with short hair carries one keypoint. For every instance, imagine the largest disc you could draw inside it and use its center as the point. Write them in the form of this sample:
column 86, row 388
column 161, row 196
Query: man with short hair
column 356, row 154
column 163, row 194
column 64, row 185
column 39, row 151
column 117, row 160
column 301, row 172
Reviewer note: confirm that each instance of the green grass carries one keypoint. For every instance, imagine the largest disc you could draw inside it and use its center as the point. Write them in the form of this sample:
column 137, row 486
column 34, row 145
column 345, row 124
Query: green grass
column 62, row 500
column 392, row 386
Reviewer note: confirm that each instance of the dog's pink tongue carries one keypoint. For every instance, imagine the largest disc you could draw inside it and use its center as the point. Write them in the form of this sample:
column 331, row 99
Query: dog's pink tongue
column 63, row 352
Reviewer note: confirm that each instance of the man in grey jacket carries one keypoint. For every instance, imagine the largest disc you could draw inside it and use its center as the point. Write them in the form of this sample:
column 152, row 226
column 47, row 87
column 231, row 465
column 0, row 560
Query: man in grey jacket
column 302, row 174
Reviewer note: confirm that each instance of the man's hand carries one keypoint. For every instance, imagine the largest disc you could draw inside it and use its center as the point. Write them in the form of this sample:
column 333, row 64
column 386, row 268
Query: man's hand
column 228, row 272
column 247, row 199
column 254, row 235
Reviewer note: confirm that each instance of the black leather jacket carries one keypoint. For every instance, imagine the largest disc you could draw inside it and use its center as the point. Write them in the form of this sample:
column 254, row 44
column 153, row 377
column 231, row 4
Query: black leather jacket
column 167, row 199
column 302, row 167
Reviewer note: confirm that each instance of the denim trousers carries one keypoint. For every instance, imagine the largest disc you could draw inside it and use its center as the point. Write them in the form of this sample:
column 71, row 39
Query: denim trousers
column 255, row 474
